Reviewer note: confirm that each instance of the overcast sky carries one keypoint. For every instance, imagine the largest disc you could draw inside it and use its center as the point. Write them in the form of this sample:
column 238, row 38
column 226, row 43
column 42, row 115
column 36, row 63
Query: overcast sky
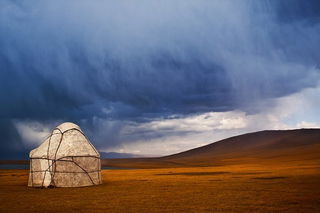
column 156, row 77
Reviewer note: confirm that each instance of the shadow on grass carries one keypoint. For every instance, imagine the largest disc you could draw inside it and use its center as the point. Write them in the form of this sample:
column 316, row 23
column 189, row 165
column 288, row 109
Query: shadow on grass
column 196, row 173
column 212, row 173
column 269, row 178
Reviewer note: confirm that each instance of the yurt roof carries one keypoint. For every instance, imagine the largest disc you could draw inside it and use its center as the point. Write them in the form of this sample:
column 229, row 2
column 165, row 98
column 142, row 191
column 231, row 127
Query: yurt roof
column 68, row 125
column 66, row 140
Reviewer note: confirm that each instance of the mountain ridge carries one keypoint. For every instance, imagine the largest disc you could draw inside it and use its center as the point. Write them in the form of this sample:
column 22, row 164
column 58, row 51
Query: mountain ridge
column 265, row 147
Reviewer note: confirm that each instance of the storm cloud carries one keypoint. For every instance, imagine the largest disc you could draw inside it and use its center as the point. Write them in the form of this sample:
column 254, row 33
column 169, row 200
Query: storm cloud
column 104, row 64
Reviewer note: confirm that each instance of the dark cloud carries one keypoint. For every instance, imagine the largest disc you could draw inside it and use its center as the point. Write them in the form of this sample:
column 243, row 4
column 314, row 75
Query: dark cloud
column 295, row 10
column 112, row 60
column 11, row 146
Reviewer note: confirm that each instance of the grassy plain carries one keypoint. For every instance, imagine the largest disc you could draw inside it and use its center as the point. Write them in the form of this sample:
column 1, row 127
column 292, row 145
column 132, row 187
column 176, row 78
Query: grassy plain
column 268, row 171
column 237, row 188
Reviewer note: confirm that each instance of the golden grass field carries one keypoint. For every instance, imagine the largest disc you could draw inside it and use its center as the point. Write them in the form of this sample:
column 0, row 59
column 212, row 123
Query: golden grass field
column 237, row 188
column 268, row 171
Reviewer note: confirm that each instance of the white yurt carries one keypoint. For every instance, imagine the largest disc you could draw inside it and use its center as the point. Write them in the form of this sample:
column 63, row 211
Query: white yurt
column 65, row 159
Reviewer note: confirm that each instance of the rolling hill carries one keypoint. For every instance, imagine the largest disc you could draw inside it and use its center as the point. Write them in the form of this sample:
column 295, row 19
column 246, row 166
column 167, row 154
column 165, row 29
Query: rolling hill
column 270, row 147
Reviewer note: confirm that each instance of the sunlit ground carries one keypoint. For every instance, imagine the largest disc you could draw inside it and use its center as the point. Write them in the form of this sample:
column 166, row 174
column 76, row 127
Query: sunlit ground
column 241, row 188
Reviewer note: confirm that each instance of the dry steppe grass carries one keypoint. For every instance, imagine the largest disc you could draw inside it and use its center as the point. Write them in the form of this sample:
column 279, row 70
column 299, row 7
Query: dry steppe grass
column 237, row 188
column 268, row 171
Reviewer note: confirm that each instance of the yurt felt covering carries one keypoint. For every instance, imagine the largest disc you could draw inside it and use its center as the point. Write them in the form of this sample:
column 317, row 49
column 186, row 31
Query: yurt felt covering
column 65, row 159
